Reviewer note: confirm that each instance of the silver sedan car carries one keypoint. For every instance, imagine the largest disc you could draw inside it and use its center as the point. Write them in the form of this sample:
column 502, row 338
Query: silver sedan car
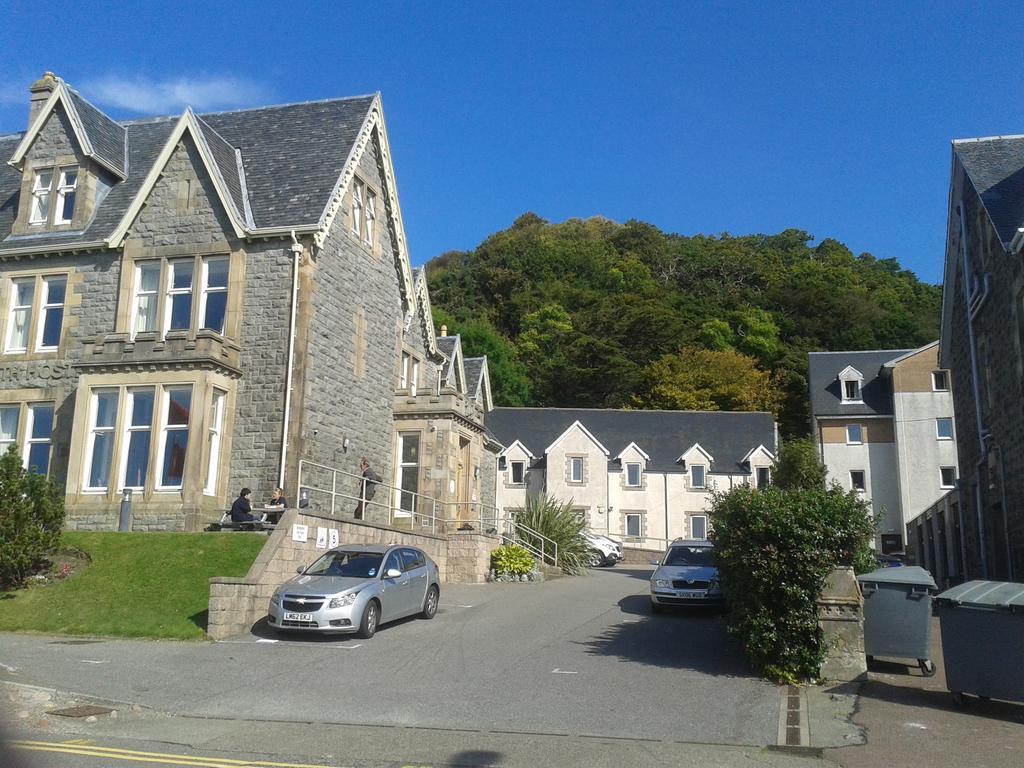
column 686, row 575
column 355, row 589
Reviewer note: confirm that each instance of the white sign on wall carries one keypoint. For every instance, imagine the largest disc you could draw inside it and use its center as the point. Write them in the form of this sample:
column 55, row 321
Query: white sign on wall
column 300, row 532
column 333, row 538
column 321, row 538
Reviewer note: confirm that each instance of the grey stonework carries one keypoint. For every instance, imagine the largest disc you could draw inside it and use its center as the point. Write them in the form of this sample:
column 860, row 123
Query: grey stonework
column 55, row 139
column 993, row 534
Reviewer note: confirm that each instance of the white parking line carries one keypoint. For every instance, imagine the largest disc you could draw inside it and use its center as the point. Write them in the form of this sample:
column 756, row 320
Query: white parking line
column 453, row 605
column 8, row 668
column 266, row 640
column 557, row 671
column 93, row 661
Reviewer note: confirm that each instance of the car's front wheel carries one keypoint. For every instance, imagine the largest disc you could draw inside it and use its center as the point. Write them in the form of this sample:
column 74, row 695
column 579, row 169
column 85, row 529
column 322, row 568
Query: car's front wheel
column 596, row 559
column 368, row 624
column 430, row 603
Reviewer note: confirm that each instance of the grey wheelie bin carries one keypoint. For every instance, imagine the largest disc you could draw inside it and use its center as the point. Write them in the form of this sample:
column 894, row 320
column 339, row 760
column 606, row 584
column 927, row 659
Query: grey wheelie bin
column 982, row 625
column 898, row 613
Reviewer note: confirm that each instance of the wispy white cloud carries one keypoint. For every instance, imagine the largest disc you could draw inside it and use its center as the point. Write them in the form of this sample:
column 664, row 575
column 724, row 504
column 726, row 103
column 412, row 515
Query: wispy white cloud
column 149, row 96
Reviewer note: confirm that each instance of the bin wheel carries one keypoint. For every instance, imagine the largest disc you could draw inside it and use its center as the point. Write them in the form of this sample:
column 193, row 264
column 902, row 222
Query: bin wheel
column 958, row 700
column 927, row 667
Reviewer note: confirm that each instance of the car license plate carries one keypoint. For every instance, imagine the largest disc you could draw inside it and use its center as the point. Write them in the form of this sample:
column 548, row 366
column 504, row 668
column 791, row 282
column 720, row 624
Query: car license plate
column 690, row 595
column 298, row 617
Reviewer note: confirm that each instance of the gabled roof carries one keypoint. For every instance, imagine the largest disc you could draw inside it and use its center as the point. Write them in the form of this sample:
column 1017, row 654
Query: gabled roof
column 478, row 380
column 576, row 425
column 635, row 447
column 876, row 391
column 699, row 449
column 849, row 372
column 426, row 314
column 995, row 166
column 526, row 450
column 761, row 448
column 452, row 372
column 726, row 435
column 99, row 137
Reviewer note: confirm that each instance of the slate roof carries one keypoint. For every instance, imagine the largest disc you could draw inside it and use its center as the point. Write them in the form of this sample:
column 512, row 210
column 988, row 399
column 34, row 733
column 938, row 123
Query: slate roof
column 995, row 167
column 663, row 435
column 107, row 136
column 292, row 157
column 447, row 345
column 474, row 368
column 876, row 391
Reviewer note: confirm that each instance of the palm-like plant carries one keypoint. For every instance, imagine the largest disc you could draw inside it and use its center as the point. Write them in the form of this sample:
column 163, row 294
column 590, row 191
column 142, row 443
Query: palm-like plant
column 557, row 521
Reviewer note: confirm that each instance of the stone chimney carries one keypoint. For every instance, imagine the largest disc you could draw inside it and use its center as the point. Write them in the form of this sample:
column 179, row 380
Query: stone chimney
column 40, row 90
column 444, row 330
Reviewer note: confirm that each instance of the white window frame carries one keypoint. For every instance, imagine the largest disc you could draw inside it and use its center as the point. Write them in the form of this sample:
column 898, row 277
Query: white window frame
column 6, row 443
column 935, row 382
column 575, row 461
column 414, row 378
column 704, row 476
column 63, row 190
column 863, row 478
column 942, row 479
column 46, row 306
column 704, row 520
column 410, row 374
column 512, row 472
column 29, row 441
column 164, row 401
column 369, row 217
column 37, row 217
column 639, row 525
column 857, row 396
column 206, row 289
column 357, row 207
column 14, row 309
column 401, row 467
column 128, row 429
column 214, row 437
column 639, row 475
column 938, row 432
column 138, row 293
column 90, row 447
column 860, row 431
column 170, row 292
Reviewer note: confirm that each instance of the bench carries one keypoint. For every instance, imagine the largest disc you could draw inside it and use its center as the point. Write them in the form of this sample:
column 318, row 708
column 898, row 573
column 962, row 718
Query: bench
column 225, row 523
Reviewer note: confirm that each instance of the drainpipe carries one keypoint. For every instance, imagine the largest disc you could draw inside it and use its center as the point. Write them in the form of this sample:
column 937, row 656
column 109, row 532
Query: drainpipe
column 296, row 249
column 976, row 387
column 664, row 484
column 1006, row 522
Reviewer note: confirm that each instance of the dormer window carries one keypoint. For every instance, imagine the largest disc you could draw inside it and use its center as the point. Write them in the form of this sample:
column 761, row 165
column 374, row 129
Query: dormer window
column 633, row 475
column 518, row 472
column 850, row 381
column 43, row 191
column 698, row 476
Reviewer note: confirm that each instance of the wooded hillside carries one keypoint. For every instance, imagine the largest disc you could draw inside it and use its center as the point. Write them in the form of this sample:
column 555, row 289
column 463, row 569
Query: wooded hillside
column 590, row 313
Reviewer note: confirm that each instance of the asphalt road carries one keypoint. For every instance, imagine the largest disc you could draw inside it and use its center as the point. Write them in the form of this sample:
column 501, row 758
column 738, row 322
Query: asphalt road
column 577, row 656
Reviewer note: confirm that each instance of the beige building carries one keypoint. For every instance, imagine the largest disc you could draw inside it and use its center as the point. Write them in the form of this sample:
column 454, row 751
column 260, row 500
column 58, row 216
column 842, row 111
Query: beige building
column 883, row 421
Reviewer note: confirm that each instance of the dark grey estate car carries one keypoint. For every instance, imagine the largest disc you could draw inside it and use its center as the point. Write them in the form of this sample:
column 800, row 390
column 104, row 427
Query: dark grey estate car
column 686, row 575
column 355, row 589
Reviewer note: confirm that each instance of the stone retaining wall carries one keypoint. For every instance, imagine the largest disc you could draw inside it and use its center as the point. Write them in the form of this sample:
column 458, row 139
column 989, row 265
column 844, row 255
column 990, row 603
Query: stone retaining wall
column 236, row 604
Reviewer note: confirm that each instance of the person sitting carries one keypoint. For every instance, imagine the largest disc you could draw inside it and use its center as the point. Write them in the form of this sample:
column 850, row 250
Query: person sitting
column 241, row 510
column 277, row 499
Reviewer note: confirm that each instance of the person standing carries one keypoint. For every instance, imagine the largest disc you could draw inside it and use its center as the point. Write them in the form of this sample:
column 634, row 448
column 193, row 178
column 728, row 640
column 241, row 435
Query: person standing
column 367, row 487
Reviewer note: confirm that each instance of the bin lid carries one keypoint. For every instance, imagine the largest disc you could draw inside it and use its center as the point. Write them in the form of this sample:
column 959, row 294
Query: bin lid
column 908, row 574
column 986, row 594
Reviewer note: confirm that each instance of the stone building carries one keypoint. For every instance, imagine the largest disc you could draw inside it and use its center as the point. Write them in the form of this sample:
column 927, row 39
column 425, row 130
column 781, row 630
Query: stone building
column 982, row 342
column 643, row 477
column 193, row 304
column 883, row 420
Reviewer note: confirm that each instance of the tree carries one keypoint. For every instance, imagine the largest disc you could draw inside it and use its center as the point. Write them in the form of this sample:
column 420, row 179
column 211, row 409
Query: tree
column 707, row 380
column 31, row 518
column 799, row 466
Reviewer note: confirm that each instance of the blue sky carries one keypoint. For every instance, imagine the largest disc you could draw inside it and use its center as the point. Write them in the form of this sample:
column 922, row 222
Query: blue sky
column 834, row 118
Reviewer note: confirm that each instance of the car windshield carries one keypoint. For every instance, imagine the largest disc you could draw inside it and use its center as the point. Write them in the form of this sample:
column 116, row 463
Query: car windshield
column 689, row 556
column 363, row 565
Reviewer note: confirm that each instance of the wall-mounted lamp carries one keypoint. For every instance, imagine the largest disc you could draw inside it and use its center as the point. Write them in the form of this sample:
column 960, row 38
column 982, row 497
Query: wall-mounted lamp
column 345, row 443
column 476, row 472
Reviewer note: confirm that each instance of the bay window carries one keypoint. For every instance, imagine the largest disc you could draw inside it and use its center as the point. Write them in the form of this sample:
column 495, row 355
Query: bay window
column 147, row 285
column 100, row 451
column 178, row 304
column 216, row 427
column 135, row 450
column 215, row 293
column 180, row 294
column 175, row 411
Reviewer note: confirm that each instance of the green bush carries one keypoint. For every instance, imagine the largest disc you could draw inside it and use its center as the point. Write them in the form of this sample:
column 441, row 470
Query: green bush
column 31, row 517
column 799, row 465
column 511, row 559
column 774, row 549
column 557, row 521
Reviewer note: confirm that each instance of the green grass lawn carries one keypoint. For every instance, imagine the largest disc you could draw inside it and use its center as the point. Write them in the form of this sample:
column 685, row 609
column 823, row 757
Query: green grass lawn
column 137, row 585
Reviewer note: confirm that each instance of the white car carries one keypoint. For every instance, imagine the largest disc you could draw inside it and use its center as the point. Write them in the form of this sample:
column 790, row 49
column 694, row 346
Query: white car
column 603, row 551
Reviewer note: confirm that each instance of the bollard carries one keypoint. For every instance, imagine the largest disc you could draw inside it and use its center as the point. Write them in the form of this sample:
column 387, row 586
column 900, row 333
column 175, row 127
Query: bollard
column 124, row 522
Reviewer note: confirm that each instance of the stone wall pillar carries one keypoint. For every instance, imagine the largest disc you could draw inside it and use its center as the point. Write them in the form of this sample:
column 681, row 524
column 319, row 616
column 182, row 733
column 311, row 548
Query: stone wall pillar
column 841, row 618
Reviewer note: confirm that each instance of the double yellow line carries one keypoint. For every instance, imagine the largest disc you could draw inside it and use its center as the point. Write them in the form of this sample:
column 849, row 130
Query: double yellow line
column 86, row 749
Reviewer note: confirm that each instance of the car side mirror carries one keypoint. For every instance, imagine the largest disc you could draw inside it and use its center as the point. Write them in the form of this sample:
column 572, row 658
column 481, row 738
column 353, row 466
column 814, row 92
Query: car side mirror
column 392, row 573
column 301, row 569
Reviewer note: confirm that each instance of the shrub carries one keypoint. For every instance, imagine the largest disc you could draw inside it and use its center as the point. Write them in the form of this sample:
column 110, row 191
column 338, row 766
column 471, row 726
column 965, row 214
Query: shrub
column 511, row 559
column 31, row 517
column 557, row 521
column 774, row 549
column 799, row 465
